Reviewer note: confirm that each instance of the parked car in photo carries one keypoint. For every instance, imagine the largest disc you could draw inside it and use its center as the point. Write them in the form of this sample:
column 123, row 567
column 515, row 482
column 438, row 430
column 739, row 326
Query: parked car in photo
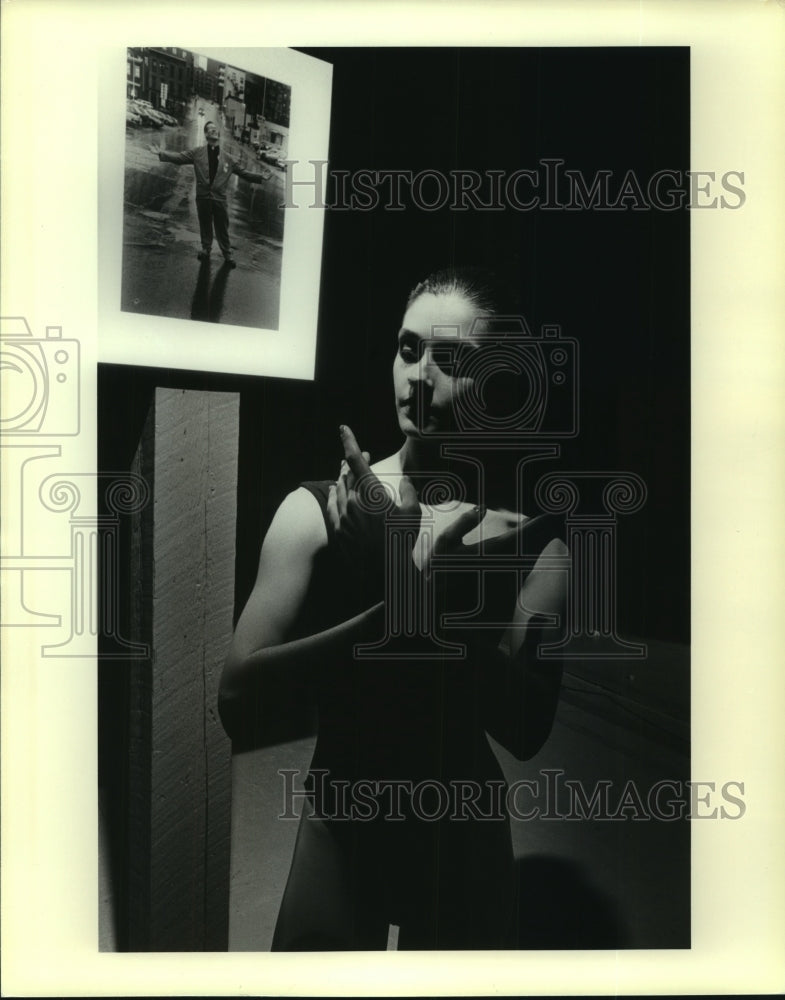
column 145, row 111
column 271, row 154
column 159, row 115
column 155, row 114
column 132, row 117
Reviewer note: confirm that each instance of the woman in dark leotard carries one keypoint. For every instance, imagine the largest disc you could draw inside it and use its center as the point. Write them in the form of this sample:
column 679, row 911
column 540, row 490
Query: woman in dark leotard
column 406, row 821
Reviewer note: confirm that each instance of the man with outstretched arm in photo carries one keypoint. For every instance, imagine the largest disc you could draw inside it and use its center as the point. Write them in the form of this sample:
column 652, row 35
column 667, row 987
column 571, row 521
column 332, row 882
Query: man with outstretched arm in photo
column 213, row 168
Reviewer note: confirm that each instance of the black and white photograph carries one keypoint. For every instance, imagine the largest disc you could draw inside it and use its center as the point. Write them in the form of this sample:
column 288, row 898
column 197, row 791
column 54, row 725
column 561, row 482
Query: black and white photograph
column 206, row 145
column 206, row 259
column 456, row 680
column 390, row 551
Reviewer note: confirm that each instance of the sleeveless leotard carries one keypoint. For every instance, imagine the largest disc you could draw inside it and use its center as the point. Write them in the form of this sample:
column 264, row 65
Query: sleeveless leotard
column 388, row 721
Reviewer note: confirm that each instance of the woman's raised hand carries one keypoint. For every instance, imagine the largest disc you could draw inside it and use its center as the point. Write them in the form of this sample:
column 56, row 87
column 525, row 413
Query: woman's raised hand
column 362, row 511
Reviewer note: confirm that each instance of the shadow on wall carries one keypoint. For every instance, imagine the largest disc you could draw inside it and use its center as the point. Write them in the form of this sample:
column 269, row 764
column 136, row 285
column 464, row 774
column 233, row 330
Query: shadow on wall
column 559, row 908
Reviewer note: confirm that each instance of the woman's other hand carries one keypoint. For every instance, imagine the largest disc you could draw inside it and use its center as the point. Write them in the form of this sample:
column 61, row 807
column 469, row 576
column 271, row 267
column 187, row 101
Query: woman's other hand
column 482, row 581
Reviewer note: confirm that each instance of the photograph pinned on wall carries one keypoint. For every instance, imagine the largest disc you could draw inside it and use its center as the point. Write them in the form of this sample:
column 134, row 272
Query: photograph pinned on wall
column 195, row 225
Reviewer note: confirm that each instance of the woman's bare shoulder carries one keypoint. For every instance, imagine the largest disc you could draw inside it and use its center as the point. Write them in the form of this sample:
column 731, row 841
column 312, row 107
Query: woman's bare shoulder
column 295, row 536
column 298, row 523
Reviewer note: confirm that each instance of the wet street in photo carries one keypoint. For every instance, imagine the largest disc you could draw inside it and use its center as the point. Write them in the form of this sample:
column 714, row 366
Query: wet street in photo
column 161, row 273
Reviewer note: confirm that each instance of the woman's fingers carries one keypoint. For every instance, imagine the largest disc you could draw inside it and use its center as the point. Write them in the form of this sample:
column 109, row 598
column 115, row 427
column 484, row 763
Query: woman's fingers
column 505, row 544
column 351, row 479
column 538, row 531
column 352, row 453
column 341, row 493
column 527, row 540
column 357, row 460
column 452, row 536
column 332, row 508
column 355, row 470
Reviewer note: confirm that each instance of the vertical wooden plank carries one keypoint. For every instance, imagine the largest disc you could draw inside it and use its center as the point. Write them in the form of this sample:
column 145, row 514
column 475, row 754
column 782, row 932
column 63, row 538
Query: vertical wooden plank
column 223, row 450
column 183, row 826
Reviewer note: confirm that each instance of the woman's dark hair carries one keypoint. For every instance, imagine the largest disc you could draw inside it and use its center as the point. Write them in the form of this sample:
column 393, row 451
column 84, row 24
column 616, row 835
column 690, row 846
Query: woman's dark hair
column 493, row 291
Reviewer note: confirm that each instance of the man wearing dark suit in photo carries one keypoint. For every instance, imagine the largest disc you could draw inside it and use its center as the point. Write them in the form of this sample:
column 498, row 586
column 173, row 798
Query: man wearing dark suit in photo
column 213, row 168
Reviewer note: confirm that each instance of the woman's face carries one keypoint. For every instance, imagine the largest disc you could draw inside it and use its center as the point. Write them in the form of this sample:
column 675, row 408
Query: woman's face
column 427, row 389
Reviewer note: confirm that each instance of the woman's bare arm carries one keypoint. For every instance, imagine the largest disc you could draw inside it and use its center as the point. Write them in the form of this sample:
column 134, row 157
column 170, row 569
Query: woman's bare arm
column 295, row 536
column 262, row 661
column 521, row 689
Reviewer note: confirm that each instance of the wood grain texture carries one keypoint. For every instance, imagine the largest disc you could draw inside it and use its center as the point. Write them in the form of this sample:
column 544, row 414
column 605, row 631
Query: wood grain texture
column 180, row 850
